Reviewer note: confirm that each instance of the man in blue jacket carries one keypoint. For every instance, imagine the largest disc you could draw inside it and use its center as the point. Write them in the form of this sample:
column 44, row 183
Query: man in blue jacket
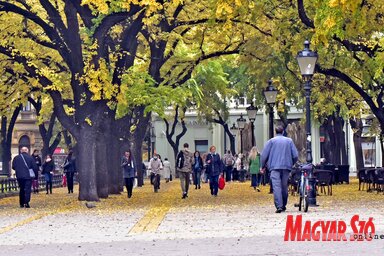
column 279, row 154
column 21, row 164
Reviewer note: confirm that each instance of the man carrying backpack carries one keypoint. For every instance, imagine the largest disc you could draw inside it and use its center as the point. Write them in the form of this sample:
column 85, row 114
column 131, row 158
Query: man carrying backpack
column 229, row 160
column 184, row 167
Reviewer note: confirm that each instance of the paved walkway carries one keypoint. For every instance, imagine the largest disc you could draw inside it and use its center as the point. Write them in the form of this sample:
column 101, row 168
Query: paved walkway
column 239, row 221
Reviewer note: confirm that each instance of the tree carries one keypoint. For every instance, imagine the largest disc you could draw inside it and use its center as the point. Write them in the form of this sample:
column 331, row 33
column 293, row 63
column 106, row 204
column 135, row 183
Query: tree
column 47, row 134
column 6, row 138
column 91, row 52
column 170, row 130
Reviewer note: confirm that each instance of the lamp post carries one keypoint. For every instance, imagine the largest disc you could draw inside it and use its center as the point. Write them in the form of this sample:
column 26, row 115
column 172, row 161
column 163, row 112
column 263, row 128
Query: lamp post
column 233, row 130
column 270, row 94
column 153, row 139
column 241, row 124
column 307, row 62
column 252, row 112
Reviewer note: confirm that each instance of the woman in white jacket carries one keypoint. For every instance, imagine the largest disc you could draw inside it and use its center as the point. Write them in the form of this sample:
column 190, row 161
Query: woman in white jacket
column 167, row 170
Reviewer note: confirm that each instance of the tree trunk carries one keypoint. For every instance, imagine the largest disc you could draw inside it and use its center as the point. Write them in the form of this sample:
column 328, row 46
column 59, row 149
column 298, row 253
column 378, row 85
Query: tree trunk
column 357, row 126
column 102, row 168
column 6, row 140
column 138, row 138
column 86, row 164
column 340, row 134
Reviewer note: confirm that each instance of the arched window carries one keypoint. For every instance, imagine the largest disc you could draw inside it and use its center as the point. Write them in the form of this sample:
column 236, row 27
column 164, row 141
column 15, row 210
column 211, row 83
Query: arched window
column 25, row 142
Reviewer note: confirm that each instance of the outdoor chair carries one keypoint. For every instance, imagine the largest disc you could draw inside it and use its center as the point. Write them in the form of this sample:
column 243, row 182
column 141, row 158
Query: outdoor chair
column 378, row 180
column 343, row 173
column 335, row 176
column 324, row 179
column 370, row 176
column 363, row 178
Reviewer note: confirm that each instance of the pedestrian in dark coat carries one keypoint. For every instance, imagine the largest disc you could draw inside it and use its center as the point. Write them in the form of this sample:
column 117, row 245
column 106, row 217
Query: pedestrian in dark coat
column 70, row 170
column 35, row 181
column 129, row 172
column 21, row 164
column 48, row 169
column 215, row 167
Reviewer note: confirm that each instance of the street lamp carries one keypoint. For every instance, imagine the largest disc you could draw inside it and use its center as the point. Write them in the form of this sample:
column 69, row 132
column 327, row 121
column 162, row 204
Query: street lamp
column 153, row 139
column 307, row 62
column 270, row 94
column 233, row 129
column 251, row 112
column 241, row 124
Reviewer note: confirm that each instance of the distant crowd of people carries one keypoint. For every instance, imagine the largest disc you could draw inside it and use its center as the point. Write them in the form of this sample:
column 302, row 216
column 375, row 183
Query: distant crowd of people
column 277, row 159
column 29, row 167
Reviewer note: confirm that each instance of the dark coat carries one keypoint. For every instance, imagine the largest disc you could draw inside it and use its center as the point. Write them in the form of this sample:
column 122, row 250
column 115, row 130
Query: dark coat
column 70, row 165
column 48, row 167
column 22, row 171
column 200, row 163
column 216, row 166
column 128, row 168
column 38, row 164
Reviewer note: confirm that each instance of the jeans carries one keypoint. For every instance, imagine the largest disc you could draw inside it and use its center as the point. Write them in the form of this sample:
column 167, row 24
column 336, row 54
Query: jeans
column 35, row 185
column 242, row 175
column 184, row 181
column 155, row 181
column 197, row 177
column 129, row 185
column 255, row 180
column 48, row 182
column 69, row 181
column 25, row 186
column 228, row 173
column 280, row 187
column 235, row 174
column 214, row 184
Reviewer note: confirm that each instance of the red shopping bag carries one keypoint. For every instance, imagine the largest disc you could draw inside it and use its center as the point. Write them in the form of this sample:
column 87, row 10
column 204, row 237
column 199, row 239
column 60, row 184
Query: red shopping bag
column 221, row 182
column 64, row 181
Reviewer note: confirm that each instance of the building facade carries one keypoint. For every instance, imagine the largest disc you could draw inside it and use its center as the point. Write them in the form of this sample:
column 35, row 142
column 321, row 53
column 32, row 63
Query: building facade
column 201, row 135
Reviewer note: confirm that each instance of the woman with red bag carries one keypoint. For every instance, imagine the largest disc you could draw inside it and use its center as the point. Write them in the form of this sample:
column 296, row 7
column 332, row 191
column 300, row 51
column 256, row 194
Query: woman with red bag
column 215, row 167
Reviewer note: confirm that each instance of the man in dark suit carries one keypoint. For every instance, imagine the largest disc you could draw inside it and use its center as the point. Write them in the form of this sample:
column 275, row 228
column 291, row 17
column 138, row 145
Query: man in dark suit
column 21, row 164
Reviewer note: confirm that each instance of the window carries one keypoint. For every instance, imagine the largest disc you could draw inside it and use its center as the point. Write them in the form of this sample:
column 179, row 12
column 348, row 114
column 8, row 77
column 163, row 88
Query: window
column 27, row 106
column 25, row 142
column 201, row 146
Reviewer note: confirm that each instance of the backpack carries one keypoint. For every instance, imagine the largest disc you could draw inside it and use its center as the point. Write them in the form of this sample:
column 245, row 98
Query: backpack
column 180, row 160
column 229, row 161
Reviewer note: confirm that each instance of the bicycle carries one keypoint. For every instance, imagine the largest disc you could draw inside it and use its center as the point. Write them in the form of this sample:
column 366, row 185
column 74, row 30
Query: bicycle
column 304, row 187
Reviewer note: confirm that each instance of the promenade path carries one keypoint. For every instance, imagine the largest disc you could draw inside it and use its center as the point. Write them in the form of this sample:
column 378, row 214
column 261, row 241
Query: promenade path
column 240, row 221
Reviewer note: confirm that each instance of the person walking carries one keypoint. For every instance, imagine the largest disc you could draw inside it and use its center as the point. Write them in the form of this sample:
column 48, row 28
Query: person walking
column 240, row 167
column 128, row 171
column 254, row 167
column 35, row 181
column 235, row 172
column 48, row 168
column 22, row 164
column 197, row 165
column 69, row 170
column 155, row 167
column 229, row 161
column 167, row 170
column 279, row 155
column 215, row 166
column 184, row 167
